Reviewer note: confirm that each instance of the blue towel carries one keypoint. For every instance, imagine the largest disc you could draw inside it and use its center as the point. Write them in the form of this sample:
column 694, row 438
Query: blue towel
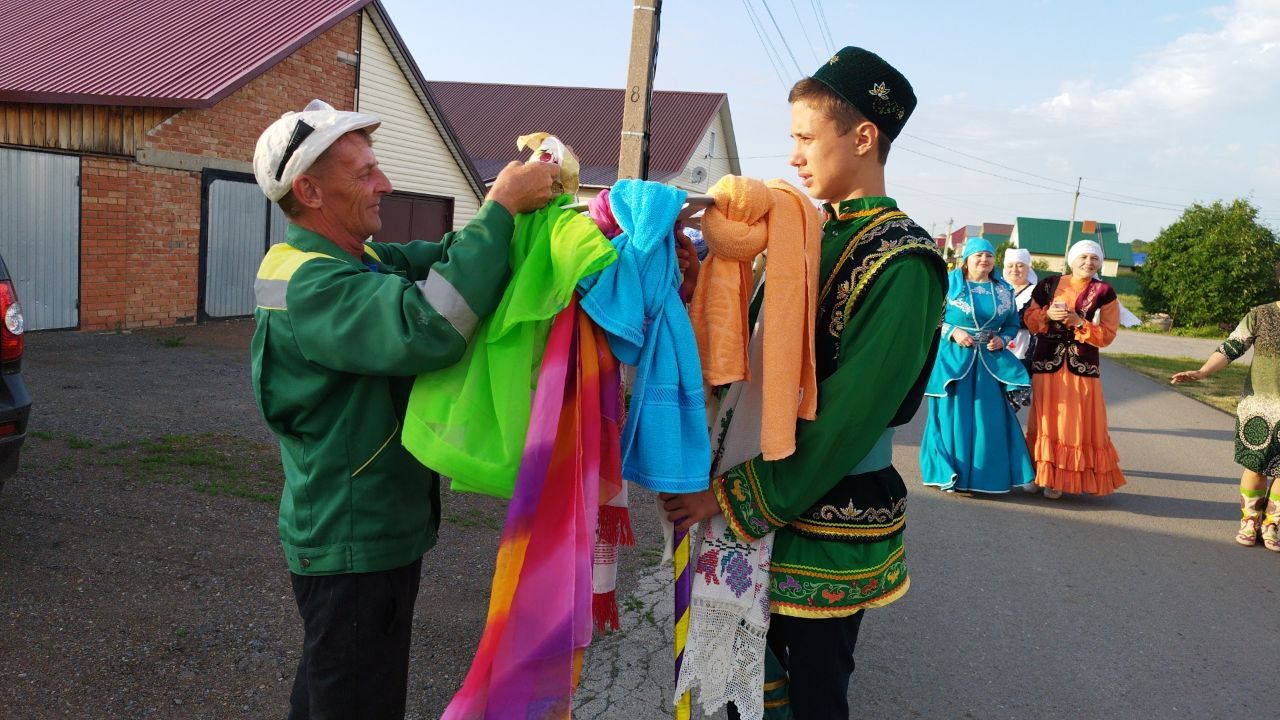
column 665, row 444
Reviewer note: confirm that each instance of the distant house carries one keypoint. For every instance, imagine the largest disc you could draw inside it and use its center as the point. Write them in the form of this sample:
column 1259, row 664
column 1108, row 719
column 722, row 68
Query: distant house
column 127, row 132
column 996, row 233
column 692, row 142
column 1046, row 240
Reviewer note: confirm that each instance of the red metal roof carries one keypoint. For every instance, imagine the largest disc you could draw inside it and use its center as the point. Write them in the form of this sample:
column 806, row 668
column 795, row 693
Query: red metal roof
column 163, row 53
column 487, row 119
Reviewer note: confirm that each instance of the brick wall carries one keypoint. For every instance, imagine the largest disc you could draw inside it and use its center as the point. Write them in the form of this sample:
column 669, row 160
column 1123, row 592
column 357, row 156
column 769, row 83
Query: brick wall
column 140, row 225
column 139, row 244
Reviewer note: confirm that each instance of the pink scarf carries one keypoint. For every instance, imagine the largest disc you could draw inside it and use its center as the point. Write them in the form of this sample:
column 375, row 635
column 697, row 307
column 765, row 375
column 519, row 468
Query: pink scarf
column 530, row 655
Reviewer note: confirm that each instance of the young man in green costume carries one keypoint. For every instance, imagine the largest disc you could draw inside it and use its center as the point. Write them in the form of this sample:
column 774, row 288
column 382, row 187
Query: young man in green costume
column 343, row 326
column 837, row 505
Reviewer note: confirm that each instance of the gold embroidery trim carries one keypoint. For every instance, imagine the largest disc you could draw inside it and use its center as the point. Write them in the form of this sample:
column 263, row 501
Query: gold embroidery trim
column 853, row 244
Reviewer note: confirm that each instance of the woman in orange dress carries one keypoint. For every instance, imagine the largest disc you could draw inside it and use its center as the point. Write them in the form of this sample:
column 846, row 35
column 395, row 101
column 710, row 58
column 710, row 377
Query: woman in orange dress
column 1072, row 316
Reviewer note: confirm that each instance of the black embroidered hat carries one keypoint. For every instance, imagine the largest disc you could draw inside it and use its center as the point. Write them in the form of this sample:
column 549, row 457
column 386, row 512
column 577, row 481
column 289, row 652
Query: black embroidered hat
column 864, row 80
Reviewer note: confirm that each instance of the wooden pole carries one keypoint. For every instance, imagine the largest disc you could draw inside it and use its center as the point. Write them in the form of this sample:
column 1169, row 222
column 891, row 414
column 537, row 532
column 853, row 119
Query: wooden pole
column 633, row 152
column 1071, row 226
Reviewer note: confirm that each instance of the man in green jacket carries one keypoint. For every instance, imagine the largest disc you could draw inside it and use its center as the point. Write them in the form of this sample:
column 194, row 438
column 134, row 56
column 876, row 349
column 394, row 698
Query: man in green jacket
column 837, row 507
column 343, row 326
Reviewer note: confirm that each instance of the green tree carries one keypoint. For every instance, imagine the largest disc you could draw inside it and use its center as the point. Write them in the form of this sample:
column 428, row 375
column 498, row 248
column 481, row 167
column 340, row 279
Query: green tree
column 1210, row 266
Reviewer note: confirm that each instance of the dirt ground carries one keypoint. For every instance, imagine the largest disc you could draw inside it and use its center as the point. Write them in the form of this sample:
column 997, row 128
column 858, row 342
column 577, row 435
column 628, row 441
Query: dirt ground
column 140, row 569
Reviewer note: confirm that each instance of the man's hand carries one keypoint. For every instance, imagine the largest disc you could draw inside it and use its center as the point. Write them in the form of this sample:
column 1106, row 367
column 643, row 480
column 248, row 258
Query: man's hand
column 687, row 258
column 522, row 188
column 685, row 510
column 1187, row 376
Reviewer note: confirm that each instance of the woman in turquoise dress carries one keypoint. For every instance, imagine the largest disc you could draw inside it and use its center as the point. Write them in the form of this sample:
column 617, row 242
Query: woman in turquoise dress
column 972, row 441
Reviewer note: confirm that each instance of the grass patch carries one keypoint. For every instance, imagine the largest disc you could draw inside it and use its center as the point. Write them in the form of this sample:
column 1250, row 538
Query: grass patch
column 78, row 443
column 211, row 463
column 1195, row 331
column 173, row 342
column 1133, row 303
column 41, row 434
column 1221, row 391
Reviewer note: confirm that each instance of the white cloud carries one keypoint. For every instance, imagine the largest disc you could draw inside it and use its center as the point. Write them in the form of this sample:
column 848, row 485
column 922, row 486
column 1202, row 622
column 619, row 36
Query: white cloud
column 1196, row 74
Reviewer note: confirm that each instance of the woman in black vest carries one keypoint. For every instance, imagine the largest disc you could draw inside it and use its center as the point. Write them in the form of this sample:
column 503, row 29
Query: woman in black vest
column 1072, row 316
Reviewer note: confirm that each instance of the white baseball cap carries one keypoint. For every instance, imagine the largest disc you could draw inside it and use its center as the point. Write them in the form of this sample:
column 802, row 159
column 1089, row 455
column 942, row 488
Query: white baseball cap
column 291, row 144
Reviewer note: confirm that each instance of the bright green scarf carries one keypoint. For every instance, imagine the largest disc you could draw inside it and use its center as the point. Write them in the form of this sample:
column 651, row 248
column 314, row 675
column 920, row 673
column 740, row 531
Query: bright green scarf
column 468, row 421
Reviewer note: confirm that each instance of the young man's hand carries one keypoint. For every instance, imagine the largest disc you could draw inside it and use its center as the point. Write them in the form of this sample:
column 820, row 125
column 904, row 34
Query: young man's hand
column 685, row 510
column 687, row 258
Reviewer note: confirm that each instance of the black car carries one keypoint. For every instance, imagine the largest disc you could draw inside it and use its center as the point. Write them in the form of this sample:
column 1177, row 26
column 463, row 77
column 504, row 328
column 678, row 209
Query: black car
column 15, row 402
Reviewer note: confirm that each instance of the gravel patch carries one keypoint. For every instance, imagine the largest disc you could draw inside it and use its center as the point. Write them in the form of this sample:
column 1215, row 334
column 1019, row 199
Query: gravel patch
column 145, row 588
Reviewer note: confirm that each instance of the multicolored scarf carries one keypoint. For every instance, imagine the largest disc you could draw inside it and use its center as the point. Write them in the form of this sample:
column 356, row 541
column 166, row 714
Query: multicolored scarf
column 530, row 655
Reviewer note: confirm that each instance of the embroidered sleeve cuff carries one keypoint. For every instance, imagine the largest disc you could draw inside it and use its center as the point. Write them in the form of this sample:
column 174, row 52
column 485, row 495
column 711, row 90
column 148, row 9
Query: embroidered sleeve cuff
column 743, row 504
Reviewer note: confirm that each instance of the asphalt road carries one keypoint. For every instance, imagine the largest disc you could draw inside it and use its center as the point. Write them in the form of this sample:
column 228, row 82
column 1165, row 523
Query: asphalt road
column 1143, row 343
column 1136, row 605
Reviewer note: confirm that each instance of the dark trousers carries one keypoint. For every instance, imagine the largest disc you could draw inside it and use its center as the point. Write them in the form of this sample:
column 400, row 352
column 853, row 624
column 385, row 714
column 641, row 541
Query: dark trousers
column 818, row 658
column 355, row 645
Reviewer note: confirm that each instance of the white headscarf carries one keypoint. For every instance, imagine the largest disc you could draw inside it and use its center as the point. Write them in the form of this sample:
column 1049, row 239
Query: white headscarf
column 1013, row 255
column 1085, row 247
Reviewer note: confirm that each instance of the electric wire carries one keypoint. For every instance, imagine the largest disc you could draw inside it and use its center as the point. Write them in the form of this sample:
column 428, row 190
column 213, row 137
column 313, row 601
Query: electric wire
column 826, row 32
column 782, row 37
column 807, row 41
column 764, row 41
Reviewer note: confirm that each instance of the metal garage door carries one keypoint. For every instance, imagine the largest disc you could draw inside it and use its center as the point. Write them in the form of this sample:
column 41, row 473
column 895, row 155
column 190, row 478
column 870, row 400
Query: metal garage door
column 239, row 225
column 40, row 234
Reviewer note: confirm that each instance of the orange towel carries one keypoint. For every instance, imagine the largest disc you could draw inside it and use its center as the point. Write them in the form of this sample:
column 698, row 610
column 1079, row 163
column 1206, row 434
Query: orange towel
column 749, row 217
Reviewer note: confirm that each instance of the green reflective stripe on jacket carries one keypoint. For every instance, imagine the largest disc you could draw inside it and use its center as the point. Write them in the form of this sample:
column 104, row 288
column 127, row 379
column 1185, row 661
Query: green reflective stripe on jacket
column 450, row 303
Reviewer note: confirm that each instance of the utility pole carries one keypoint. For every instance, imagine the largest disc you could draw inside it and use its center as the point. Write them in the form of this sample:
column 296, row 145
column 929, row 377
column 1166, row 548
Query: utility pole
column 633, row 151
column 1071, row 226
column 950, row 253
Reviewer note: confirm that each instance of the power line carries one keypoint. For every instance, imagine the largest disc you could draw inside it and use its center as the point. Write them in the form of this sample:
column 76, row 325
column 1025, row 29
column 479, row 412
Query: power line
column 981, row 159
column 783, row 38
column 983, row 172
column 822, row 25
column 807, row 41
column 1114, row 197
column 768, row 45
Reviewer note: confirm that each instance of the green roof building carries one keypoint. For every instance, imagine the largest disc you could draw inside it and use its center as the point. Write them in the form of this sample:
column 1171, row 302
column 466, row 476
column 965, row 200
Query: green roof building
column 1046, row 240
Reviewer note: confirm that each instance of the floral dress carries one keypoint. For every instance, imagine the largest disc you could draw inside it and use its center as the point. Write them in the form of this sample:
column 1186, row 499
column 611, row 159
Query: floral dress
column 1258, row 414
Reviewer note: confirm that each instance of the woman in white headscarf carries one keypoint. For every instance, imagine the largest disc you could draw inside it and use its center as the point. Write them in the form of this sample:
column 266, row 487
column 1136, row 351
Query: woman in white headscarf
column 1022, row 277
column 1072, row 316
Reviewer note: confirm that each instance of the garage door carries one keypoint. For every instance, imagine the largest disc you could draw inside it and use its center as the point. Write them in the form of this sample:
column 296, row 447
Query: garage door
column 413, row 216
column 40, row 234
column 239, row 224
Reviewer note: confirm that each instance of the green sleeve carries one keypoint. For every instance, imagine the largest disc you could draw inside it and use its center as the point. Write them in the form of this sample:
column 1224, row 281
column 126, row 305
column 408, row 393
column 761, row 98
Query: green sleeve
column 352, row 320
column 1241, row 339
column 492, row 224
column 883, row 348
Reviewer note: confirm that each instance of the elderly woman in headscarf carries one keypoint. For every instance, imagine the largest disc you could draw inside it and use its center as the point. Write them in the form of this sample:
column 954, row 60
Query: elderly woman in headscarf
column 1022, row 278
column 1072, row 316
column 972, row 441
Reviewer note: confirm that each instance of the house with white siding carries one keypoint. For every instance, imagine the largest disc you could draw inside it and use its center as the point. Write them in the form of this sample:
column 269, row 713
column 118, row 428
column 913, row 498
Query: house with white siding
column 691, row 145
column 126, row 156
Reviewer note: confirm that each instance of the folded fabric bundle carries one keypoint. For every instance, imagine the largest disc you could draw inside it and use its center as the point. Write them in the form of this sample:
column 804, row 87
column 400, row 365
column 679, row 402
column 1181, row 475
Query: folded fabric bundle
column 468, row 421
column 748, row 218
column 636, row 301
column 540, row 607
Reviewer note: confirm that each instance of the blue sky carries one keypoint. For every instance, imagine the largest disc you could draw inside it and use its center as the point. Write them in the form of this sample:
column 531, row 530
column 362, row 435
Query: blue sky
column 1155, row 104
